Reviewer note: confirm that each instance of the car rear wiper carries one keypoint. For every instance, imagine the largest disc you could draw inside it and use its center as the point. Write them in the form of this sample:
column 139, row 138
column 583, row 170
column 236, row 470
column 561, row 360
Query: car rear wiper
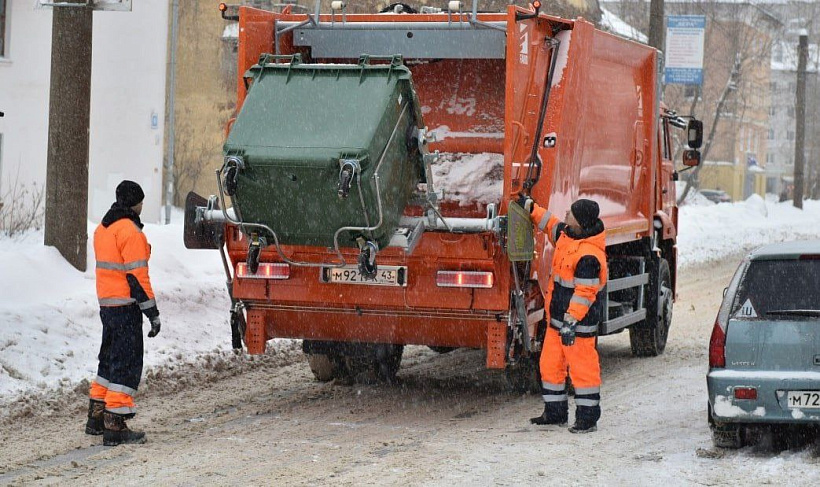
column 795, row 312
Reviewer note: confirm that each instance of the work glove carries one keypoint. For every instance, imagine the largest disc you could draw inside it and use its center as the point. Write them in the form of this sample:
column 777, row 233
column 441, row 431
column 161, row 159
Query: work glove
column 568, row 330
column 525, row 202
column 155, row 327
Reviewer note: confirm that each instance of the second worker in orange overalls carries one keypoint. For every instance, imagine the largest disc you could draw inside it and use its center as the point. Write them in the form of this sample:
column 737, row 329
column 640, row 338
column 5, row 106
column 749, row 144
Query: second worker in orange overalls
column 576, row 308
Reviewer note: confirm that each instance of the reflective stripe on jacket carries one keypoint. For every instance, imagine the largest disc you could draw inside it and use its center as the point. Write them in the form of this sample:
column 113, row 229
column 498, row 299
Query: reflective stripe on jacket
column 122, row 254
column 579, row 274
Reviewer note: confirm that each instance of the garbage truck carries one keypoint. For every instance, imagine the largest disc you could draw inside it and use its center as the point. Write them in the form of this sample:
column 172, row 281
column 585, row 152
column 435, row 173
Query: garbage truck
column 366, row 200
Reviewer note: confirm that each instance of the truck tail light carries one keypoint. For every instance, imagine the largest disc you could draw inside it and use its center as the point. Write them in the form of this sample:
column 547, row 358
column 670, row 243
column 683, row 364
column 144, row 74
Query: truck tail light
column 745, row 393
column 476, row 279
column 266, row 271
column 717, row 346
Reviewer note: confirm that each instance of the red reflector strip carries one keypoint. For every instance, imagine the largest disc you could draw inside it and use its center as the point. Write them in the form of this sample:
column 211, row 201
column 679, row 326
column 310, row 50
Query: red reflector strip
column 265, row 271
column 475, row 279
column 745, row 393
column 810, row 257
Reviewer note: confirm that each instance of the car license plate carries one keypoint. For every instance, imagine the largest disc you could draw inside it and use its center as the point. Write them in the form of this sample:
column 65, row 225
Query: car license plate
column 804, row 399
column 385, row 276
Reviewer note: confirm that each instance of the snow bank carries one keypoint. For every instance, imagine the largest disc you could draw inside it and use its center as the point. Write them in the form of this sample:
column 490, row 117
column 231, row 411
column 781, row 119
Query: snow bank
column 49, row 316
column 711, row 232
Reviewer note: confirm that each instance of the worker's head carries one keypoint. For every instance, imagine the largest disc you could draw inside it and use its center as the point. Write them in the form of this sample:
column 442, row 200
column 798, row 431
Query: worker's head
column 130, row 195
column 582, row 215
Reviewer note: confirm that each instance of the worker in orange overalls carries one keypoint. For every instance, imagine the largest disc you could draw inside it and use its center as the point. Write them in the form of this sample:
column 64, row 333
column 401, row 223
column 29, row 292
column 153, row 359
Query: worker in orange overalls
column 576, row 308
column 124, row 292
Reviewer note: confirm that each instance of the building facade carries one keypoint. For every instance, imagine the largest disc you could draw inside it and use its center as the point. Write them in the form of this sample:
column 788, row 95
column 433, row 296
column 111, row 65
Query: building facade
column 128, row 90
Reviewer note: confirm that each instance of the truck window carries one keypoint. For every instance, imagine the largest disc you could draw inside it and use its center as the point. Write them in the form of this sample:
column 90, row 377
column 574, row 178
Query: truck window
column 780, row 285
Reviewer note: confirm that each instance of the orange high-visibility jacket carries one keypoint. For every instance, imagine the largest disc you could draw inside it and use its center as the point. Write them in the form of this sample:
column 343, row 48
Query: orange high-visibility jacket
column 122, row 253
column 579, row 273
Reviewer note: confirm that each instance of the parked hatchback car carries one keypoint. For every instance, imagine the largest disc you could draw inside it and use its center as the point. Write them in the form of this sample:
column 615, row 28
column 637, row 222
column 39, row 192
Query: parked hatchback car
column 764, row 354
column 716, row 195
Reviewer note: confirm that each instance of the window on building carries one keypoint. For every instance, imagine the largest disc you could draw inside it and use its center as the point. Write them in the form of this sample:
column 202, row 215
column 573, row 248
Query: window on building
column 691, row 91
column 790, row 111
column 790, row 135
column 3, row 29
column 771, row 134
column 773, row 110
column 770, row 158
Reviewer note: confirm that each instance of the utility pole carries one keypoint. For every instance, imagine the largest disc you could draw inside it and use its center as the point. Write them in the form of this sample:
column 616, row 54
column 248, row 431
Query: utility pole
column 800, row 115
column 656, row 27
column 66, row 213
column 169, row 166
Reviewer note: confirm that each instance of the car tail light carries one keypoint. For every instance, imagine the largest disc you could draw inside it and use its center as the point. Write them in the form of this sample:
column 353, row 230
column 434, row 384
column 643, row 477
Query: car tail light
column 717, row 346
column 745, row 393
column 266, row 271
column 464, row 279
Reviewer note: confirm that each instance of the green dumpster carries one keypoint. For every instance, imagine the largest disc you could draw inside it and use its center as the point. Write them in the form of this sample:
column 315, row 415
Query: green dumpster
column 323, row 146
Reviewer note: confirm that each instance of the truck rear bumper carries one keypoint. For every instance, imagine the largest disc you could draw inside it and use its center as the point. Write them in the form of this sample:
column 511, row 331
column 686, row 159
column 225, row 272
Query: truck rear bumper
column 469, row 329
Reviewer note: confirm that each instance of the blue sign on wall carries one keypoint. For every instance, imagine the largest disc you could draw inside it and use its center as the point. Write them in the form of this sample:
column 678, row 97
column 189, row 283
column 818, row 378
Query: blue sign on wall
column 684, row 49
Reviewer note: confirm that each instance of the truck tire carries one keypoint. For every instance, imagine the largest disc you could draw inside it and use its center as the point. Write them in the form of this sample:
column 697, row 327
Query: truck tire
column 524, row 377
column 648, row 338
column 387, row 361
column 322, row 366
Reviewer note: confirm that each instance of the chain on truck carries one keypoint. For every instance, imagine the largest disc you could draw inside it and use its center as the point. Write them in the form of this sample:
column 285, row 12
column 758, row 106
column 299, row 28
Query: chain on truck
column 366, row 199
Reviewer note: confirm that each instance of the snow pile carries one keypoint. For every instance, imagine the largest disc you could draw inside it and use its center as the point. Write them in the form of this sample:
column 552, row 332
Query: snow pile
column 709, row 233
column 470, row 178
column 49, row 316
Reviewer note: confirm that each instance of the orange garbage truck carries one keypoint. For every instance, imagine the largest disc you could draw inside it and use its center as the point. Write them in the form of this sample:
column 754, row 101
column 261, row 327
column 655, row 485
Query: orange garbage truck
column 367, row 195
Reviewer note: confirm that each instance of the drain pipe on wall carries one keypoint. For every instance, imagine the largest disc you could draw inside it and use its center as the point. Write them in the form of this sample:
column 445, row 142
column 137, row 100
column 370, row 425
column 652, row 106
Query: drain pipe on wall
column 169, row 167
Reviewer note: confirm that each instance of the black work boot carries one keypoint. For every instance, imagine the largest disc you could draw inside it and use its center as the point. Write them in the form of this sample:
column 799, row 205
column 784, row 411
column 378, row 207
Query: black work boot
column 583, row 427
column 94, row 425
column 549, row 417
column 117, row 432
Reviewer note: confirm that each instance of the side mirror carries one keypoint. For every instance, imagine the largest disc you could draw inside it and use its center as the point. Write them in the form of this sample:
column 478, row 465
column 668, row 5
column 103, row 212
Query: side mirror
column 691, row 158
column 694, row 134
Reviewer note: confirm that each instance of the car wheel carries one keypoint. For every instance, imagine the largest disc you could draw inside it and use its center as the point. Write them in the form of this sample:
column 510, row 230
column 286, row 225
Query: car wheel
column 648, row 338
column 728, row 435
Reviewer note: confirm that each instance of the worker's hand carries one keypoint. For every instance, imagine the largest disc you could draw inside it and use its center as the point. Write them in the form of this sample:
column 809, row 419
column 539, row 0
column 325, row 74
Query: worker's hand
column 155, row 327
column 525, row 202
column 568, row 330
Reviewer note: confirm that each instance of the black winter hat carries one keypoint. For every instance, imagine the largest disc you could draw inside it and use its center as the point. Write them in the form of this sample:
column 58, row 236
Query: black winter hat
column 129, row 194
column 586, row 212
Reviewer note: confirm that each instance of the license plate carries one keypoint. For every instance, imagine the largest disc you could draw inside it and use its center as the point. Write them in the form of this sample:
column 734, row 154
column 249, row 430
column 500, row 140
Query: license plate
column 804, row 399
column 385, row 276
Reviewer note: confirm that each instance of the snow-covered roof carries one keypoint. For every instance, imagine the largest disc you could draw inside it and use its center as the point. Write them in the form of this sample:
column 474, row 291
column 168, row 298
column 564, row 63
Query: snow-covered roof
column 616, row 25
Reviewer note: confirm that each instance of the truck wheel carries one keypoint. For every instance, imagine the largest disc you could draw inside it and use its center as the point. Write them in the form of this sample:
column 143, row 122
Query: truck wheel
column 387, row 361
column 648, row 338
column 322, row 366
column 525, row 376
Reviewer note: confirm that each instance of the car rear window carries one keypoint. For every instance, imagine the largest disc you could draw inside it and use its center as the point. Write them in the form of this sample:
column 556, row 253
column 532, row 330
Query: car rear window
column 770, row 285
